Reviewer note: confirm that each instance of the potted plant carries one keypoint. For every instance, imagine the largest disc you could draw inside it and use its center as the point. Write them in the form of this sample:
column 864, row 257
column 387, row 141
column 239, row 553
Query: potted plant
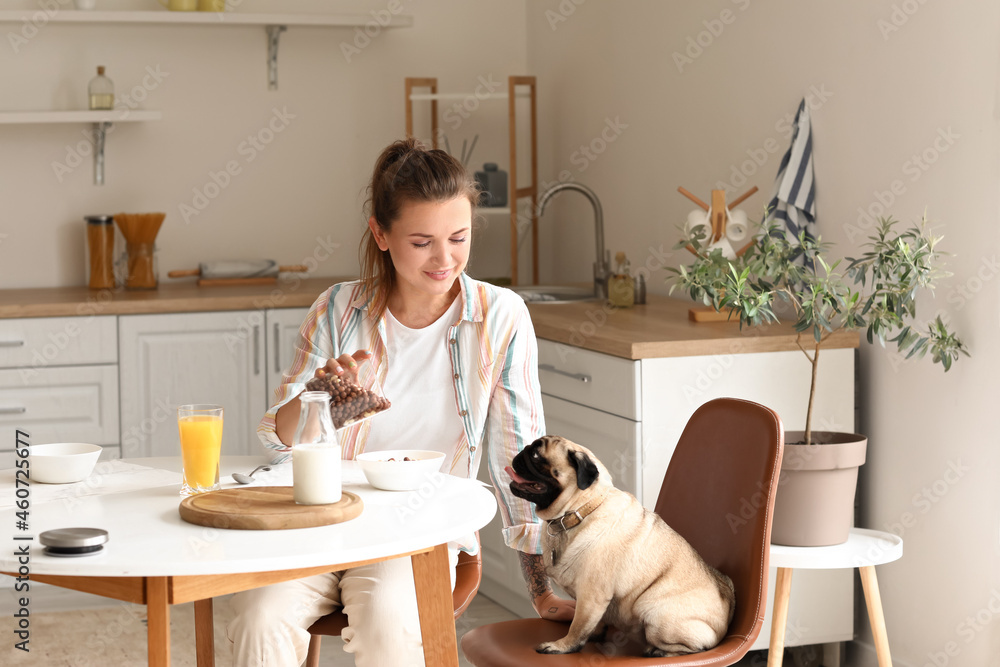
column 877, row 293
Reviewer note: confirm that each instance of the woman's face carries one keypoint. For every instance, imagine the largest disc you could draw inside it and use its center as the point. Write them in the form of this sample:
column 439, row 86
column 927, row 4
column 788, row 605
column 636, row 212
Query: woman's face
column 429, row 244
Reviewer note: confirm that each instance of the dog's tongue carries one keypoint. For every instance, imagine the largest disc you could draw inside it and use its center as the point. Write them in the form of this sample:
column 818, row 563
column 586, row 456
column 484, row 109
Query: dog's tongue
column 514, row 476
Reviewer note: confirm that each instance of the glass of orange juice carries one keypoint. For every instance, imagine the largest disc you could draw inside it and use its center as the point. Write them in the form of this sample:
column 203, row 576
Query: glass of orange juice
column 200, row 426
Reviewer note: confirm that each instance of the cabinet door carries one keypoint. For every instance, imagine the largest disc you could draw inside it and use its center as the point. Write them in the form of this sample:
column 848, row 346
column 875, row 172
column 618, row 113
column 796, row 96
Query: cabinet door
column 282, row 336
column 614, row 440
column 169, row 360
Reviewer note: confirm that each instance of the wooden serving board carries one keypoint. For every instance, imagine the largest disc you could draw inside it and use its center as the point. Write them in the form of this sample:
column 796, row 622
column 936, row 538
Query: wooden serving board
column 264, row 508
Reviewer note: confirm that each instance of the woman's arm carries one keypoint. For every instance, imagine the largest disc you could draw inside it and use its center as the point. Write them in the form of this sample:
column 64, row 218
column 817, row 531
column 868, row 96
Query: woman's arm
column 546, row 603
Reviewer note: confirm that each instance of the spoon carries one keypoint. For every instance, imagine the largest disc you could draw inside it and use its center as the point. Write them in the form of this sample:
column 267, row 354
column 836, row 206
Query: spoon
column 246, row 479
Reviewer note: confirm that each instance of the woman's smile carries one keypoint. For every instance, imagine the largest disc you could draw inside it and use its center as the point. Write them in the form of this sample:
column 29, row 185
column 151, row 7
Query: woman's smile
column 439, row 275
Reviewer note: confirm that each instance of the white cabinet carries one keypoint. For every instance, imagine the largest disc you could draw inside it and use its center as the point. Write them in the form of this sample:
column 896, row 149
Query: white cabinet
column 282, row 337
column 631, row 414
column 59, row 382
column 168, row 360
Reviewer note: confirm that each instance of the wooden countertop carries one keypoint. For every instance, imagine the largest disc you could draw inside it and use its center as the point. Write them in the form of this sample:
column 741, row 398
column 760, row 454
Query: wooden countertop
column 174, row 297
column 661, row 328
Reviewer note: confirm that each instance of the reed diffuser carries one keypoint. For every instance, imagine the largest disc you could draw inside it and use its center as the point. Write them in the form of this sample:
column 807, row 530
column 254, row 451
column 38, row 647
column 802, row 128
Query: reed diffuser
column 140, row 230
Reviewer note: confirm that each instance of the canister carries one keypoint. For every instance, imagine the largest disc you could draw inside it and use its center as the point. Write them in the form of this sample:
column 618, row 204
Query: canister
column 100, row 251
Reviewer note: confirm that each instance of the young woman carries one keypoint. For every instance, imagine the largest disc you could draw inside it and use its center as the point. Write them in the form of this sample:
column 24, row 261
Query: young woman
column 457, row 358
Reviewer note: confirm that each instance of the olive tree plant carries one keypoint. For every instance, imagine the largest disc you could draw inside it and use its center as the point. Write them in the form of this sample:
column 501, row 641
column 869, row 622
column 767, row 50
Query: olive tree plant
column 877, row 292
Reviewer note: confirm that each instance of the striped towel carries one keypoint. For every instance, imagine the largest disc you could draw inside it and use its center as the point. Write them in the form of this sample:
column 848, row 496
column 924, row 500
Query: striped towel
column 794, row 200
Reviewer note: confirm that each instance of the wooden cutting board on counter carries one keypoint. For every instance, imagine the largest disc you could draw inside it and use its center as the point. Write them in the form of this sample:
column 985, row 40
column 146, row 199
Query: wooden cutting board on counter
column 264, row 508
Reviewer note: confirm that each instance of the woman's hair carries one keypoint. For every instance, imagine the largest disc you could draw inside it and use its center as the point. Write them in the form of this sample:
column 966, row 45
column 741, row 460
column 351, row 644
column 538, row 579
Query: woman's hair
column 406, row 171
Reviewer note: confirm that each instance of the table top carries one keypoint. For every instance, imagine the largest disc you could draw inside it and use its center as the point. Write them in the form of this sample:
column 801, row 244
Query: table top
column 863, row 547
column 147, row 537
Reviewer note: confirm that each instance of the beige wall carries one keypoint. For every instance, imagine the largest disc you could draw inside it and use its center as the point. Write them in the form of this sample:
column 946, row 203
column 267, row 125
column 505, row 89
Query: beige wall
column 307, row 184
column 877, row 101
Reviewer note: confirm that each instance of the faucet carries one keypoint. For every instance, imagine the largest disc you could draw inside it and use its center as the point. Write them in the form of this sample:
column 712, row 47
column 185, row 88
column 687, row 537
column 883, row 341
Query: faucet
column 602, row 267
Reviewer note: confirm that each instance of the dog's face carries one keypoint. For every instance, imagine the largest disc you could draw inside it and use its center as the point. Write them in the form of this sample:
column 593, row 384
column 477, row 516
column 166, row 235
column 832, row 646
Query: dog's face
column 552, row 470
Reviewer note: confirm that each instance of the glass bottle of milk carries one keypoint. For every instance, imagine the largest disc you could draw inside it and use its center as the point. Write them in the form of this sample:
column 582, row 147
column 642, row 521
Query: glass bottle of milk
column 316, row 478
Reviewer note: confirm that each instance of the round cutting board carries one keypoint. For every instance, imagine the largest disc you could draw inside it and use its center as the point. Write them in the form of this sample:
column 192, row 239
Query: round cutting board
column 264, row 508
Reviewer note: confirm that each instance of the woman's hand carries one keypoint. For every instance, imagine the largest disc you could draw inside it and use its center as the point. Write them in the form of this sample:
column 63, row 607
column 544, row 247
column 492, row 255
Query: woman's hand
column 345, row 363
column 551, row 607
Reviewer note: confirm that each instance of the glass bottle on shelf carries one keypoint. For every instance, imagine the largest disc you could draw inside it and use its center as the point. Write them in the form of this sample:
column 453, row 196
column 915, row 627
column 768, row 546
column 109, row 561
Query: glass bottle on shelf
column 316, row 474
column 101, row 91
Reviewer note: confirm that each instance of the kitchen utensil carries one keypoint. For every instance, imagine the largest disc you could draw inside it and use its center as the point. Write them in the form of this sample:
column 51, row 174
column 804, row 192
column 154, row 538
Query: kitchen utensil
column 468, row 156
column 246, row 479
column 200, row 427
column 70, row 542
column 100, row 251
column 399, row 474
column 140, row 230
column 62, row 462
column 316, row 478
column 237, row 272
column 264, row 508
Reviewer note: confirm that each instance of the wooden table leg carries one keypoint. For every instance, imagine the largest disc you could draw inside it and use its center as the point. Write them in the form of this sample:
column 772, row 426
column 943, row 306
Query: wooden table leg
column 204, row 632
column 157, row 622
column 435, row 606
column 779, row 616
column 875, row 616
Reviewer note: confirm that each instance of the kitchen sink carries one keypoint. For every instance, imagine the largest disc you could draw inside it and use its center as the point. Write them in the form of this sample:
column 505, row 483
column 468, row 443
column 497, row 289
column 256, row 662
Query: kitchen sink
column 555, row 293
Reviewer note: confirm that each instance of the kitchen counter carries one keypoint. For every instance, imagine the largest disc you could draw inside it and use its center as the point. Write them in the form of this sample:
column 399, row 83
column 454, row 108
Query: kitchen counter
column 661, row 328
column 170, row 297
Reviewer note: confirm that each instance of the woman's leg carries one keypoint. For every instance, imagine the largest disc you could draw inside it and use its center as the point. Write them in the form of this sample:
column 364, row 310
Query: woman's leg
column 381, row 607
column 271, row 624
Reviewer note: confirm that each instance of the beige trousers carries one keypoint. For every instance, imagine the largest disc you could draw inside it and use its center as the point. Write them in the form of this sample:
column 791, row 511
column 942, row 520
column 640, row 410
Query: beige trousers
column 271, row 624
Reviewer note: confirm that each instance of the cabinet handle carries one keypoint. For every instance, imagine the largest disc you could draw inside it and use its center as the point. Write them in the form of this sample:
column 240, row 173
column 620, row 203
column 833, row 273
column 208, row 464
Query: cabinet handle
column 277, row 348
column 11, row 343
column 552, row 369
column 256, row 349
column 13, row 411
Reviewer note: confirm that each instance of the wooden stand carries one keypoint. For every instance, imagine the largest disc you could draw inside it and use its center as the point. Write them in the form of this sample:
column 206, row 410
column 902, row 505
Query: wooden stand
column 718, row 222
column 515, row 193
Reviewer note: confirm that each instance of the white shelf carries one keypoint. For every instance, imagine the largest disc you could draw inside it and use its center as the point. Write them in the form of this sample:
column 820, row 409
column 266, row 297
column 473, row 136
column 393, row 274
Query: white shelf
column 115, row 116
column 422, row 97
column 166, row 17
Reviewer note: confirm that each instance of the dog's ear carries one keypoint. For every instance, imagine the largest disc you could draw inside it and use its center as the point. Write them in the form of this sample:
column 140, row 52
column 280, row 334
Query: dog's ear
column 586, row 469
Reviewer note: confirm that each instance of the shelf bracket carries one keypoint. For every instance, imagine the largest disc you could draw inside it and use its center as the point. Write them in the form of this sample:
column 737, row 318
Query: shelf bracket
column 100, row 132
column 273, row 33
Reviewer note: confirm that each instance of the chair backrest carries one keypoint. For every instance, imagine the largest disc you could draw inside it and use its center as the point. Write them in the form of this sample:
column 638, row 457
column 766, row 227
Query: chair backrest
column 719, row 494
column 468, row 575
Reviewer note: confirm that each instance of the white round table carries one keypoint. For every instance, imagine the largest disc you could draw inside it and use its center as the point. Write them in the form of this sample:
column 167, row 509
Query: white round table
column 864, row 549
column 154, row 557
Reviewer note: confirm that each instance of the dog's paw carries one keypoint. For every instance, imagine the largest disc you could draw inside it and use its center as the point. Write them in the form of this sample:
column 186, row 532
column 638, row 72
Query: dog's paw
column 558, row 647
column 653, row 652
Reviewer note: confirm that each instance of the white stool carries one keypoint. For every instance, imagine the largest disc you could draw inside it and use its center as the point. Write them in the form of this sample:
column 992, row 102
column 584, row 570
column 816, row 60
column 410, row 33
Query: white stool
column 864, row 549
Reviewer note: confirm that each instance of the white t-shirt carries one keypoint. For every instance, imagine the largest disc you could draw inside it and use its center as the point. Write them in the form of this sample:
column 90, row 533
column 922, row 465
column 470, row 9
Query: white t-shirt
column 419, row 382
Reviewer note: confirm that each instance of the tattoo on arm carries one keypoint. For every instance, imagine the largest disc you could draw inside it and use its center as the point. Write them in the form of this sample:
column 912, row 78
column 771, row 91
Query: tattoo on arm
column 534, row 574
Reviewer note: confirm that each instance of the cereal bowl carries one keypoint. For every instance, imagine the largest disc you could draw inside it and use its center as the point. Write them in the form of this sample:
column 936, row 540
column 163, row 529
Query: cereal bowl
column 399, row 474
column 62, row 462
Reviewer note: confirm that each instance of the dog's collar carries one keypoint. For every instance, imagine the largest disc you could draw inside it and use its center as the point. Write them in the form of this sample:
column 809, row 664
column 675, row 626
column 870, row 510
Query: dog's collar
column 574, row 518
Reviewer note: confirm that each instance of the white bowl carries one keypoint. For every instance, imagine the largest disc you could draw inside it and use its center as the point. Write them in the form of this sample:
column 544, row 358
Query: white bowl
column 399, row 475
column 62, row 462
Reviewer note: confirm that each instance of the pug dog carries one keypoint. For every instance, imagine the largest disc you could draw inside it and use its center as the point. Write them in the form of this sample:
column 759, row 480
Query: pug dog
column 622, row 563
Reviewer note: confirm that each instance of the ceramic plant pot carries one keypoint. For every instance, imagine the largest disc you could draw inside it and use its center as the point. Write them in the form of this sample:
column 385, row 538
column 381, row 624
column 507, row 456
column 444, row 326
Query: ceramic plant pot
column 814, row 504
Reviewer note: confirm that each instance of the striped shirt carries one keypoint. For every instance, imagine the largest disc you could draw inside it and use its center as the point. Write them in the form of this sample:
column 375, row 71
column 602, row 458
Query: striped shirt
column 495, row 370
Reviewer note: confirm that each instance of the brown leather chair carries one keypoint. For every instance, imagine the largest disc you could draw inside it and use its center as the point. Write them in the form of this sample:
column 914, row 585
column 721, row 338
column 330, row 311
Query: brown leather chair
column 468, row 574
column 719, row 494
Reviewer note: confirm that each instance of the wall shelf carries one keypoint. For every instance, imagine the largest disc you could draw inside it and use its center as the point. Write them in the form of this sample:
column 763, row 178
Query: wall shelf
column 74, row 116
column 273, row 24
column 165, row 17
column 101, row 120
